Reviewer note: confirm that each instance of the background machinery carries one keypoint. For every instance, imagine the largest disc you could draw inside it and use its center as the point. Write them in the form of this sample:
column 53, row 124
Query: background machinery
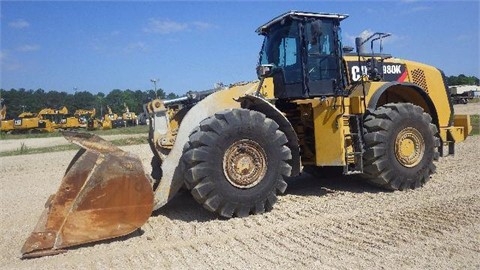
column 3, row 109
column 130, row 118
column 30, row 122
column 316, row 106
column 461, row 94
column 5, row 125
column 111, row 120
column 85, row 118
column 49, row 120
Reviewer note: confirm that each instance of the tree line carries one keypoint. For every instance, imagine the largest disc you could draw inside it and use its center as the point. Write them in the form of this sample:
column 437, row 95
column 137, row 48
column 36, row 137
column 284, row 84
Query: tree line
column 462, row 80
column 22, row 100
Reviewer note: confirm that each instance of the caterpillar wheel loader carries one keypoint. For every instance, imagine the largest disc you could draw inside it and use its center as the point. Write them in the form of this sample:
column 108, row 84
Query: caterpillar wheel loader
column 315, row 106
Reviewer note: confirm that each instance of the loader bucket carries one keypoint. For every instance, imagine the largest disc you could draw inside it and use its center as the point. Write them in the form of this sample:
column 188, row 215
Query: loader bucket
column 104, row 194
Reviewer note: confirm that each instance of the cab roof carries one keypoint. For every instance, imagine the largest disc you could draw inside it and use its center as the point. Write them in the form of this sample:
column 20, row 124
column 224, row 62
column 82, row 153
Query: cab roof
column 293, row 13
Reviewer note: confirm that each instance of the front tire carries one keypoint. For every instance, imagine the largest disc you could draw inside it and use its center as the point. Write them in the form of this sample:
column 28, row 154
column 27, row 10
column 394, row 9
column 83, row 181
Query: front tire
column 401, row 144
column 236, row 162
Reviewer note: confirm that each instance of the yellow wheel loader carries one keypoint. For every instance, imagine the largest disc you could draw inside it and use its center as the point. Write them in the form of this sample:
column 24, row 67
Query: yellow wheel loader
column 317, row 106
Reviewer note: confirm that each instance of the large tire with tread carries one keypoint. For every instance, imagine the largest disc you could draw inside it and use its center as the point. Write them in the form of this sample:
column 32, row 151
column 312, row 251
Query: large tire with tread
column 235, row 163
column 401, row 144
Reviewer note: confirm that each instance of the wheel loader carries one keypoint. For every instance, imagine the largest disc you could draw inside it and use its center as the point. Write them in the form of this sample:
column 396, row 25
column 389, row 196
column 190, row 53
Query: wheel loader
column 316, row 106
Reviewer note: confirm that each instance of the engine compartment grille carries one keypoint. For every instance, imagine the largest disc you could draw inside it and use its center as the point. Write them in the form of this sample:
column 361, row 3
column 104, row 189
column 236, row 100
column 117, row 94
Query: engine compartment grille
column 418, row 77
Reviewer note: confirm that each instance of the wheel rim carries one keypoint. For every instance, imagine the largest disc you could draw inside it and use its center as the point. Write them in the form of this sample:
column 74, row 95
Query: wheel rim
column 245, row 164
column 409, row 147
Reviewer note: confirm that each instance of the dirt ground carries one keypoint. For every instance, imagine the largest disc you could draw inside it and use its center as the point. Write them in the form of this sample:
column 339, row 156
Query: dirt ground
column 339, row 223
column 14, row 144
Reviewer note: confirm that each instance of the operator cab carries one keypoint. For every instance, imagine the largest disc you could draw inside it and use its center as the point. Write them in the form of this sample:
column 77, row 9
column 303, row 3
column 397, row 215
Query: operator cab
column 302, row 52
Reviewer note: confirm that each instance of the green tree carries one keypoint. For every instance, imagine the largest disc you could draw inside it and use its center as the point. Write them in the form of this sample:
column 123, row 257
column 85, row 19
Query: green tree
column 130, row 100
column 100, row 104
column 114, row 99
column 172, row 96
column 161, row 94
column 19, row 100
column 462, row 80
column 82, row 100
column 54, row 98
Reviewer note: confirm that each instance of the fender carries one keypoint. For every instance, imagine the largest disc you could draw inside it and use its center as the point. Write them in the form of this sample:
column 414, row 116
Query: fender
column 373, row 102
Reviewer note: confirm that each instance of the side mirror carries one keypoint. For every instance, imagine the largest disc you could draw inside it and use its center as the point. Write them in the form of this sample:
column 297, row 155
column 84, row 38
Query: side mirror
column 265, row 70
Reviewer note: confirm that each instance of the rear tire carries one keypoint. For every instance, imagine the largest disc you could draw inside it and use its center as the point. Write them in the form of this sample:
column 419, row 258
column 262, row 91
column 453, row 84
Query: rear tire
column 236, row 162
column 401, row 145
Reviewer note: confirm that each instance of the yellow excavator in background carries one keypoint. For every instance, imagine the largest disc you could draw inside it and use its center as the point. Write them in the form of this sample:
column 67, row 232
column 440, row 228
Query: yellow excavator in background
column 5, row 125
column 111, row 120
column 130, row 118
column 80, row 119
column 317, row 106
column 86, row 119
column 3, row 110
column 52, row 119
column 48, row 120
column 84, row 116
column 30, row 122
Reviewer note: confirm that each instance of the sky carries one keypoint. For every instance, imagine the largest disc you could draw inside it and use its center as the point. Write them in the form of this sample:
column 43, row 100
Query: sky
column 98, row 46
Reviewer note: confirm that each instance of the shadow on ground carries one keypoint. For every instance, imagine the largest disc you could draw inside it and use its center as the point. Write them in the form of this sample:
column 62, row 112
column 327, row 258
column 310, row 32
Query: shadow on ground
column 309, row 185
column 184, row 207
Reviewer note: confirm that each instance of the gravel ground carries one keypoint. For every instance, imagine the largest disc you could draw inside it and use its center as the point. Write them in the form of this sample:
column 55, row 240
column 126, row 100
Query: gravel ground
column 10, row 145
column 470, row 108
column 339, row 223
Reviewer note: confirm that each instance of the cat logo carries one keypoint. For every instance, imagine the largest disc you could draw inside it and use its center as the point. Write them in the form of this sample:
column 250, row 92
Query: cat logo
column 356, row 72
column 388, row 71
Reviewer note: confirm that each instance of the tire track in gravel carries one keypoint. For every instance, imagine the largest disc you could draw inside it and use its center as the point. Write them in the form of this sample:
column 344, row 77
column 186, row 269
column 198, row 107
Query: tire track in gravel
column 289, row 234
column 258, row 247
column 299, row 236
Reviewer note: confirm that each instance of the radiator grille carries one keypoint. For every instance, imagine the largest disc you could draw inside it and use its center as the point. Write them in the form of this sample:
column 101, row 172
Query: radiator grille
column 418, row 77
